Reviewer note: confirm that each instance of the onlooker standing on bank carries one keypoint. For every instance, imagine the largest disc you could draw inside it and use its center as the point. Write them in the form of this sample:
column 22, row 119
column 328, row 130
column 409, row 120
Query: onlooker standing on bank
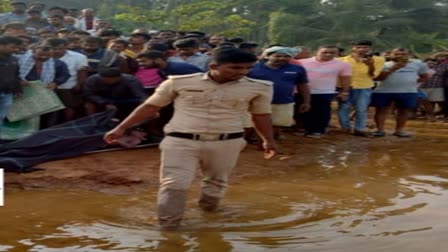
column 324, row 72
column 399, row 85
column 365, row 68
column 9, row 70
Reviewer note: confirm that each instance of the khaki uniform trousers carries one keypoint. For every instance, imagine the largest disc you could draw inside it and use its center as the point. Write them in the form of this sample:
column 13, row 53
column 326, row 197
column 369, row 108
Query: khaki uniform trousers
column 180, row 158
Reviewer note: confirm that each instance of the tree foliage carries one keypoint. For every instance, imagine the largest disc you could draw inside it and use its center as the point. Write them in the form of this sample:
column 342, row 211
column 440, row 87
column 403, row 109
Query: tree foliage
column 418, row 24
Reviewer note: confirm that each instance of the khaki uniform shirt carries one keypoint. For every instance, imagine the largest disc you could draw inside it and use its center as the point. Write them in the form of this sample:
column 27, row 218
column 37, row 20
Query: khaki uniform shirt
column 204, row 106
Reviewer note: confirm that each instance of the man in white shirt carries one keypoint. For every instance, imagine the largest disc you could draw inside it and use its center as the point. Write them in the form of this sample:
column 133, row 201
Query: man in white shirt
column 70, row 91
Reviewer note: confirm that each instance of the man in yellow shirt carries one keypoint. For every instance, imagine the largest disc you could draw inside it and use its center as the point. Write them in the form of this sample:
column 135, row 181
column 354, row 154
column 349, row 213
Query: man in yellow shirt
column 365, row 68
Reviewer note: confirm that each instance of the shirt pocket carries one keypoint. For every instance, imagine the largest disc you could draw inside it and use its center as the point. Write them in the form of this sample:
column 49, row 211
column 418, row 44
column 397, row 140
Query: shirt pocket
column 194, row 99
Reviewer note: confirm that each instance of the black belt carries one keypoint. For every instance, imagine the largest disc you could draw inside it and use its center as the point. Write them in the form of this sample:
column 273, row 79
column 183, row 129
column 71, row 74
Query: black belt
column 206, row 137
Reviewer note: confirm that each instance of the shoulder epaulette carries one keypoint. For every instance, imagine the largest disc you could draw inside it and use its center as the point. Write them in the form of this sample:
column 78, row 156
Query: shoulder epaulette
column 184, row 76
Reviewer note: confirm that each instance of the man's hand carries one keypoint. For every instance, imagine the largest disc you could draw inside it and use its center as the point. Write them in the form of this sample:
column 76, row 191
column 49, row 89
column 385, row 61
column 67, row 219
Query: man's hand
column 270, row 149
column 112, row 136
column 52, row 86
column 24, row 83
column 398, row 65
column 368, row 61
column 304, row 107
column 110, row 106
column 342, row 96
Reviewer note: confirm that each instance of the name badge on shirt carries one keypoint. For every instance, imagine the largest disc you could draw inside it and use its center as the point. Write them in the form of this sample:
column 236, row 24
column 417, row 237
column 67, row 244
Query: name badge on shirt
column 290, row 73
column 194, row 91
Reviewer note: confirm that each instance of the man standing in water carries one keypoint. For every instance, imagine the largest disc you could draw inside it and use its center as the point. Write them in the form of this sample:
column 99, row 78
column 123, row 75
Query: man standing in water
column 206, row 129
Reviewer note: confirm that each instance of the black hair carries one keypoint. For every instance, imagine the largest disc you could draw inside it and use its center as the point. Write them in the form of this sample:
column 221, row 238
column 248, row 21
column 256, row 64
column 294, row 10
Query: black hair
column 109, row 32
column 246, row 45
column 43, row 48
column 8, row 40
column 232, row 55
column 14, row 25
column 34, row 11
column 110, row 72
column 96, row 40
column 186, row 43
column 361, row 42
column 58, row 8
column 120, row 41
column 153, row 54
column 328, row 47
column 57, row 16
column 53, row 42
column 80, row 32
column 157, row 47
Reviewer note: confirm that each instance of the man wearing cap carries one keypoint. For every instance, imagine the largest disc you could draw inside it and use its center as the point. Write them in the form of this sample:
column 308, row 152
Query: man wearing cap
column 365, row 68
column 188, row 52
column 287, row 78
column 206, row 129
column 16, row 15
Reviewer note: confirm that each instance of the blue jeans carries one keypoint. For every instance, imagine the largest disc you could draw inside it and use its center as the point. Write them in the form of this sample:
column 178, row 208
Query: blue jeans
column 5, row 103
column 360, row 100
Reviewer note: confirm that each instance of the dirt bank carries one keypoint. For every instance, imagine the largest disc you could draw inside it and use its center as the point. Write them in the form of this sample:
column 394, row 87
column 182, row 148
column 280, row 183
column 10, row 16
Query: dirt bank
column 130, row 171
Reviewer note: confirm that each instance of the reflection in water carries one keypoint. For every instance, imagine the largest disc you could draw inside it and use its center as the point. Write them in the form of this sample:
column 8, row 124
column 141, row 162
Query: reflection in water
column 354, row 198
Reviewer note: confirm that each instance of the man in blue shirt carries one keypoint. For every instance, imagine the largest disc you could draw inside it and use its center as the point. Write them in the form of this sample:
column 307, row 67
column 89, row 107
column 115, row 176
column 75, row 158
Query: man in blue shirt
column 287, row 78
column 188, row 52
column 16, row 15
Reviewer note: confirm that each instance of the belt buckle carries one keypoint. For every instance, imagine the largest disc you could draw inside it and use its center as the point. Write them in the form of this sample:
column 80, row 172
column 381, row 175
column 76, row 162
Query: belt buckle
column 208, row 137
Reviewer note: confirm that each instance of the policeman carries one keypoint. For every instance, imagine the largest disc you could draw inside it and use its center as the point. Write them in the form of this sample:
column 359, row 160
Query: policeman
column 206, row 130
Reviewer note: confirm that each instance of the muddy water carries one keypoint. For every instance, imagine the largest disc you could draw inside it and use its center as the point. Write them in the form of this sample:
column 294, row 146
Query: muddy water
column 391, row 195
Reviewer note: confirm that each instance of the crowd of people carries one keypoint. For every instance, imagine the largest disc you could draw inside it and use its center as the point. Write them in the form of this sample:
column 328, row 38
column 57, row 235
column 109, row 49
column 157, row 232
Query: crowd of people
column 208, row 88
column 91, row 67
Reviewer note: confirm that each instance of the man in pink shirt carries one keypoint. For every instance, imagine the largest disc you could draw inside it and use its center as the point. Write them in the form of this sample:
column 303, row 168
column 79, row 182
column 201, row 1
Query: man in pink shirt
column 324, row 73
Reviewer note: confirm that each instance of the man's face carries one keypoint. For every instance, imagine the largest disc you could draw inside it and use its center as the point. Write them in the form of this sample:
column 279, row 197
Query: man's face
column 216, row 40
column 279, row 58
column 47, row 35
column 87, row 13
column 187, row 51
column 400, row 56
column 69, row 22
column 110, row 80
column 42, row 56
column 76, row 44
column 18, row 8
column 327, row 54
column 101, row 24
column 9, row 49
column 90, row 47
column 231, row 71
column 149, row 63
column 137, row 40
column 56, row 12
column 34, row 16
column 361, row 49
column 55, row 21
column 117, row 47
column 14, row 32
column 59, row 51
column 166, row 35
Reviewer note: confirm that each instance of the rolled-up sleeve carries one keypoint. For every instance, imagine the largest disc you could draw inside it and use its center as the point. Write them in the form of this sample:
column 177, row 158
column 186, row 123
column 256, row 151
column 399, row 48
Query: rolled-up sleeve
column 261, row 104
column 164, row 94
